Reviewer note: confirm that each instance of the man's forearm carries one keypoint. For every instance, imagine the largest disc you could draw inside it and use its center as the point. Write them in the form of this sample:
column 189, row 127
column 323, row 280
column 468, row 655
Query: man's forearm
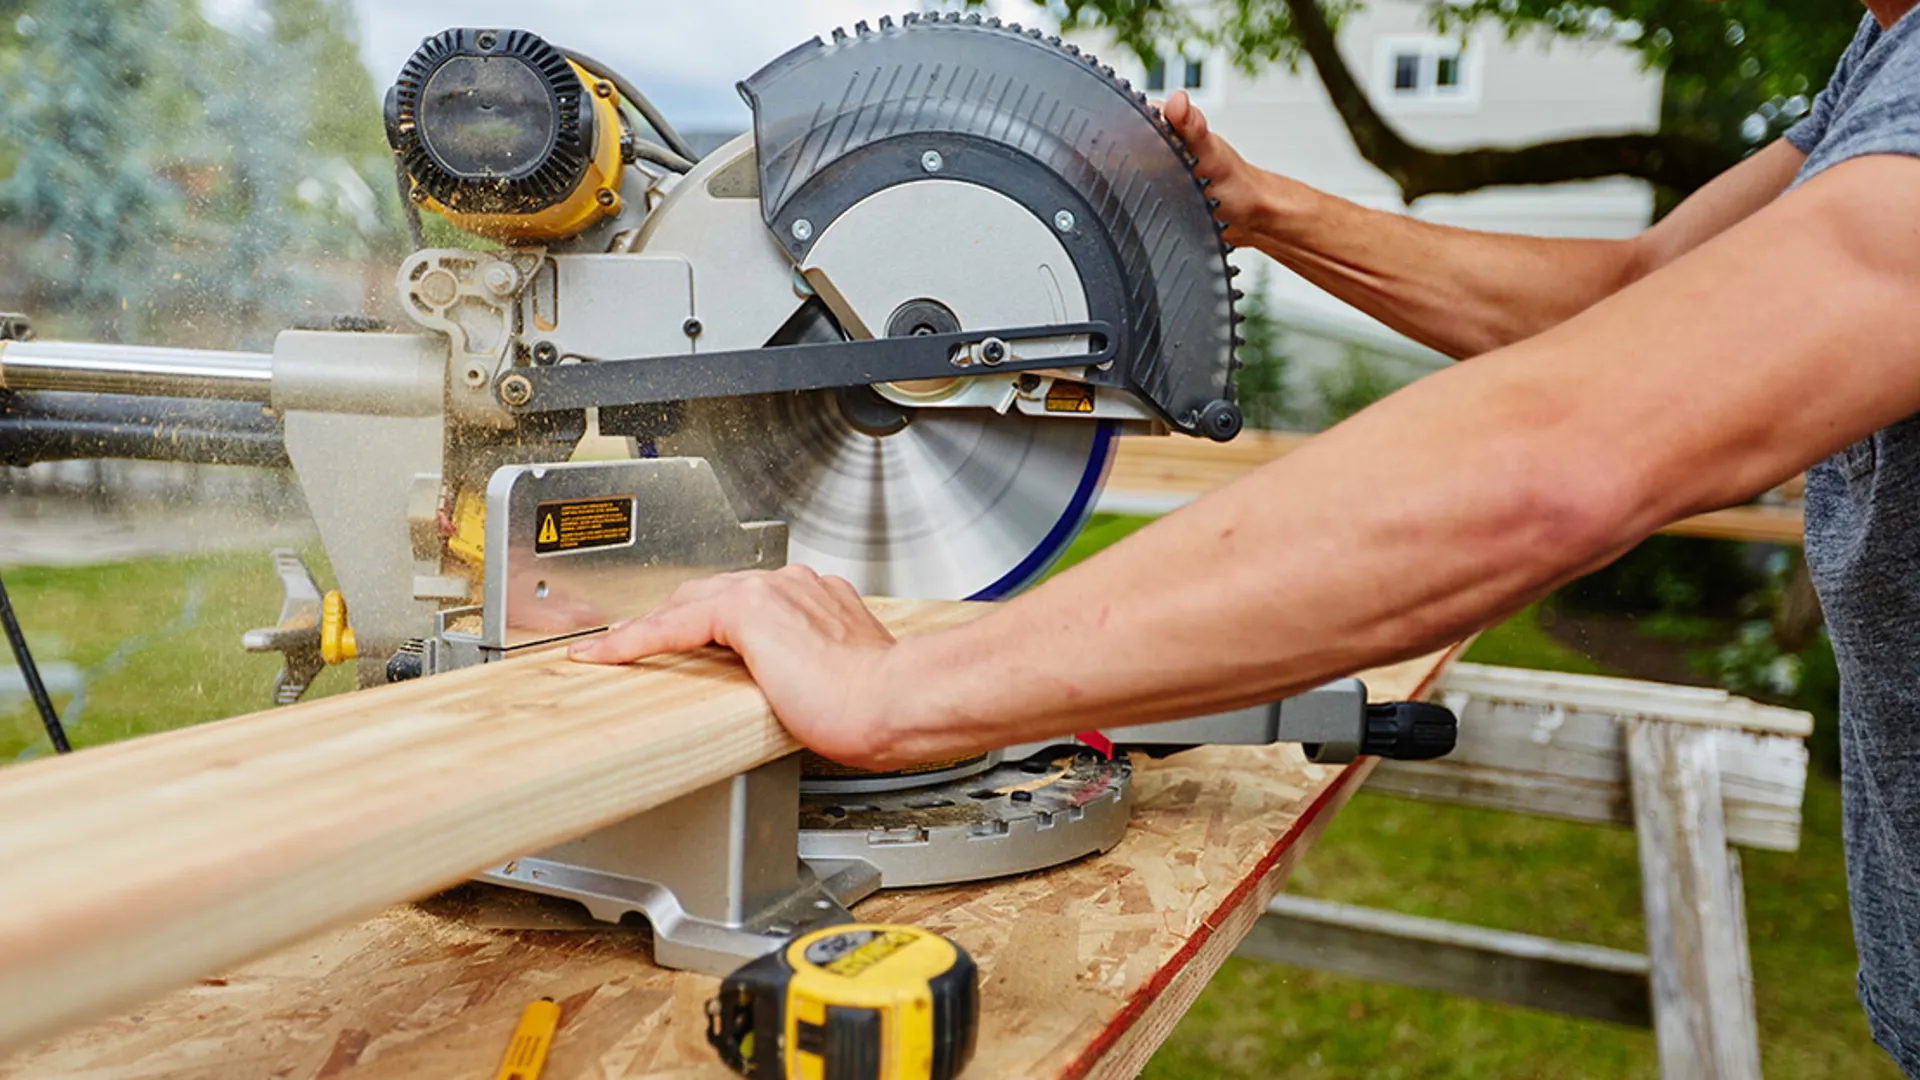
column 1464, row 496
column 1455, row 290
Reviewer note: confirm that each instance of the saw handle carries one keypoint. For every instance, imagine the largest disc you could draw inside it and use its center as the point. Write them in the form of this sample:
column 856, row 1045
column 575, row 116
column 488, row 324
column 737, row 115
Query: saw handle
column 1410, row 731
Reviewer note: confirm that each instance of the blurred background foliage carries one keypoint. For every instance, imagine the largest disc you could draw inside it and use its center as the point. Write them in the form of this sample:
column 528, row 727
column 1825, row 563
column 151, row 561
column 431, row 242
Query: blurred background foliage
column 165, row 179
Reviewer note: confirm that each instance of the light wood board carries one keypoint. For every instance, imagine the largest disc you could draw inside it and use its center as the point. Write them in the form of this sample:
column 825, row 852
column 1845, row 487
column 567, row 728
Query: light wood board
column 1086, row 967
column 1158, row 475
column 134, row 868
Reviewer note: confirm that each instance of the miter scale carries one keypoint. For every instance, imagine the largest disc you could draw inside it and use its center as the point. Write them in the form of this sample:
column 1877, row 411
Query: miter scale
column 892, row 333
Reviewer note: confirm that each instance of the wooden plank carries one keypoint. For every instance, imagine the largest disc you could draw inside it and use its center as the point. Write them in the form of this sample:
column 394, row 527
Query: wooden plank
column 1085, row 967
column 1153, row 475
column 1758, row 523
column 1696, row 927
column 136, row 868
column 1701, row 706
column 1495, row 965
column 1549, row 743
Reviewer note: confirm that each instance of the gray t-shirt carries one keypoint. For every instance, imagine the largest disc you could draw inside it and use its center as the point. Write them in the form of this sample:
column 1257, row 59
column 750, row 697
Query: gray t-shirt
column 1863, row 550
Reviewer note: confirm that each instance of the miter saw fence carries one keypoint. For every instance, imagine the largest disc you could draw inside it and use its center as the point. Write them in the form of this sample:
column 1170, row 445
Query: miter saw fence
column 892, row 333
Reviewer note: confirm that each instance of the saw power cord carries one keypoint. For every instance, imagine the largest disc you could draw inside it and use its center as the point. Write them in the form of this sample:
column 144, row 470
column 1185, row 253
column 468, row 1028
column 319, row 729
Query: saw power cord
column 31, row 673
column 640, row 103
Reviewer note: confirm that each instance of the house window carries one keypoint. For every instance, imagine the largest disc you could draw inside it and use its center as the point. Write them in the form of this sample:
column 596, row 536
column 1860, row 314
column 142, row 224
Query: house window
column 1192, row 73
column 1425, row 68
column 1406, row 73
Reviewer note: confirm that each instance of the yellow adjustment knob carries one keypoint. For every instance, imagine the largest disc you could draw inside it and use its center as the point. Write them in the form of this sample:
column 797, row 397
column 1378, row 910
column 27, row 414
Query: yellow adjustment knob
column 336, row 637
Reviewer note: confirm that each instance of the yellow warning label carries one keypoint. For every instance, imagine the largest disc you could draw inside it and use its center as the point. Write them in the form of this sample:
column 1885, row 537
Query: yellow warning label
column 583, row 524
column 1065, row 396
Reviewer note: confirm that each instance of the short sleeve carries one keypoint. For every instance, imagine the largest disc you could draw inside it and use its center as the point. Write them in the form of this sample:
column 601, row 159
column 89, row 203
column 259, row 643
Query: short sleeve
column 1879, row 109
column 1807, row 134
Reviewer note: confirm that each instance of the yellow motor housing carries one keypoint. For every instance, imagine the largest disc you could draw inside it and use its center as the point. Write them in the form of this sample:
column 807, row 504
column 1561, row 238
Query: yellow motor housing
column 506, row 136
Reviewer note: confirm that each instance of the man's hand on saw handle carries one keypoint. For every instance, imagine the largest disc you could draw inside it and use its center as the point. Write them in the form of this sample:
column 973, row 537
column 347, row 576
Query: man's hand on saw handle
column 808, row 640
column 1238, row 185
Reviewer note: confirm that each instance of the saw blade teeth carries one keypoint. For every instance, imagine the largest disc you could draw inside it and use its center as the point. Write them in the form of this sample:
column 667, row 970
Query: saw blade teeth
column 886, row 23
column 973, row 18
column 1232, row 271
column 861, row 28
column 993, row 21
column 839, row 34
column 911, row 18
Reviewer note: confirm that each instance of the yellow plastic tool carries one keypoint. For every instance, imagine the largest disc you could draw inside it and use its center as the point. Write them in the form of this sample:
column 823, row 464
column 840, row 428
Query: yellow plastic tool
column 532, row 1037
column 336, row 637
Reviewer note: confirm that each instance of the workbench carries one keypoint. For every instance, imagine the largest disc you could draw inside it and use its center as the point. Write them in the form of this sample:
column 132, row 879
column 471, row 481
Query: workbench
column 1085, row 968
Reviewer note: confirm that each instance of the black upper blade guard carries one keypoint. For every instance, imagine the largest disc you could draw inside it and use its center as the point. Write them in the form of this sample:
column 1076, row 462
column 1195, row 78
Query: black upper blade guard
column 1044, row 124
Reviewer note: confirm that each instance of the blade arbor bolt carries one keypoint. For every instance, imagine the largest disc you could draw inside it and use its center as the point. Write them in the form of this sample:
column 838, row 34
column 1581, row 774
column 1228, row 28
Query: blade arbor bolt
column 516, row 390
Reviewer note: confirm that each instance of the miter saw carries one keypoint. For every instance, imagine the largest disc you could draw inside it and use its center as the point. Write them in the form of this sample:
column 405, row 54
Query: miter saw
column 891, row 333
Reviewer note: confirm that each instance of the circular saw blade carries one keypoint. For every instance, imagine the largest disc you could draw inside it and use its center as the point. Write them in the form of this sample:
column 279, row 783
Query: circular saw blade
column 958, row 504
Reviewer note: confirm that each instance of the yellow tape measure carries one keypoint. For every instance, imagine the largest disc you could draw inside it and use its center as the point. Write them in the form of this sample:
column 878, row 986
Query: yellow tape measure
column 868, row 1001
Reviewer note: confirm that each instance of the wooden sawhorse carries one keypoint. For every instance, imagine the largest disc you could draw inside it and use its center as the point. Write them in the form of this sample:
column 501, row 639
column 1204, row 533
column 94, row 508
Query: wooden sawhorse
column 1692, row 771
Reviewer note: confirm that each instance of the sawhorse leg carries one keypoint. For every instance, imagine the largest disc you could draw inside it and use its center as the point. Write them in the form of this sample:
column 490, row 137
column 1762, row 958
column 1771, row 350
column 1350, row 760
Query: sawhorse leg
column 1696, row 915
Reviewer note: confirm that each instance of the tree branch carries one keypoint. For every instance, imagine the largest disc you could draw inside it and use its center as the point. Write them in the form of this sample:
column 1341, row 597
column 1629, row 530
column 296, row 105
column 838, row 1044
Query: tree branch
column 1669, row 160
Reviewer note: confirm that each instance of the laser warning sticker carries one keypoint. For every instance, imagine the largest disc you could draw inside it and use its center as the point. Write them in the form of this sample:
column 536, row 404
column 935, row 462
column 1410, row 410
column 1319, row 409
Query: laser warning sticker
column 582, row 524
column 1065, row 396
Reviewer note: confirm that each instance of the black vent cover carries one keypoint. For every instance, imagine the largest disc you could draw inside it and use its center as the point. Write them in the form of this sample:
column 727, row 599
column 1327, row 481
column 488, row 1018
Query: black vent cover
column 491, row 121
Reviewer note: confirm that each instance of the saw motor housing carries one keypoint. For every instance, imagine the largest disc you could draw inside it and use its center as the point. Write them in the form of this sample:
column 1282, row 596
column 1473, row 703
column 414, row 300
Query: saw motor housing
column 506, row 137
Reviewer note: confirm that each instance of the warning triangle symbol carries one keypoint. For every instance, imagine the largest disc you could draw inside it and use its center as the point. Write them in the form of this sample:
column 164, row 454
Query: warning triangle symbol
column 548, row 534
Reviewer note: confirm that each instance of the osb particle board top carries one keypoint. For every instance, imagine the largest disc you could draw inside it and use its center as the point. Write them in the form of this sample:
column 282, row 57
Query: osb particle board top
column 1085, row 968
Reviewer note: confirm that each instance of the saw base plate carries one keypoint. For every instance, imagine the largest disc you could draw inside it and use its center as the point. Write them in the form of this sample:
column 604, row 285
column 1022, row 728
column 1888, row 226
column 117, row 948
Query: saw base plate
column 1015, row 818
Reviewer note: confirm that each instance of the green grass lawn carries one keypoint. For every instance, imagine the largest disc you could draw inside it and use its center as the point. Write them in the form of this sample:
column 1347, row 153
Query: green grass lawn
column 160, row 642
